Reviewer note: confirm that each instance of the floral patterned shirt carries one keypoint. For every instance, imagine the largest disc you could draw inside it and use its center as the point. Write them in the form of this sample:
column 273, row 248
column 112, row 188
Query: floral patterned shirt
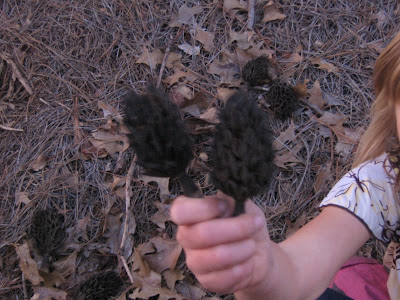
column 368, row 192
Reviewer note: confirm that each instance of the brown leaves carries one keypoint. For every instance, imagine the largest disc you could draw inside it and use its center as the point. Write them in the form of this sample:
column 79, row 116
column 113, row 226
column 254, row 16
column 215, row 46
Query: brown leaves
column 206, row 38
column 185, row 15
column 272, row 13
column 166, row 257
column 28, row 266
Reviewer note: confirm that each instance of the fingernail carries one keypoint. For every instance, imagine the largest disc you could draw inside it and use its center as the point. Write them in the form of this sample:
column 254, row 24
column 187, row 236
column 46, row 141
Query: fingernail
column 259, row 222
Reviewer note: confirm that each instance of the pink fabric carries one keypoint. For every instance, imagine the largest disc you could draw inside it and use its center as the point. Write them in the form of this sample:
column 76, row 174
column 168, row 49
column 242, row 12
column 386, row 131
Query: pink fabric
column 362, row 278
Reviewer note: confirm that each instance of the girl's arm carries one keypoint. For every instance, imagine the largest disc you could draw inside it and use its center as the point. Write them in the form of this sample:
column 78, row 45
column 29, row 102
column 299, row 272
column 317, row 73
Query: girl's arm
column 236, row 255
column 303, row 265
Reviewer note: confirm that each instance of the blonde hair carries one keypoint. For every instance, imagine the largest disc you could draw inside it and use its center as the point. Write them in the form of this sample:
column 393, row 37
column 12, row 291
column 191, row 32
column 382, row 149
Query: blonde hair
column 381, row 132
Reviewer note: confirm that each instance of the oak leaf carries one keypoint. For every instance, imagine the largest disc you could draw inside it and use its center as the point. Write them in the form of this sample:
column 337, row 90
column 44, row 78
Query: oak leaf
column 205, row 38
column 272, row 13
column 185, row 15
column 28, row 266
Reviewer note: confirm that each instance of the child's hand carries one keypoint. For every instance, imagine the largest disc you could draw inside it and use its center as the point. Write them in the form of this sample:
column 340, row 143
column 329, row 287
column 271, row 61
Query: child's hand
column 225, row 254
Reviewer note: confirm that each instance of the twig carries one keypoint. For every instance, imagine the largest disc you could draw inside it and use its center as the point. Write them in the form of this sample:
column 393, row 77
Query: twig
column 126, row 268
column 24, row 287
column 250, row 21
column 18, row 73
column 313, row 107
column 127, row 205
column 164, row 62
column 77, row 132
column 127, row 200
column 10, row 129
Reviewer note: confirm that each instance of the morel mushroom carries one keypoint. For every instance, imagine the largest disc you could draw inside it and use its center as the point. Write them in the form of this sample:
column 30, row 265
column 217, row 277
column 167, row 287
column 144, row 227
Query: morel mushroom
column 282, row 100
column 242, row 151
column 102, row 286
column 47, row 232
column 257, row 71
column 159, row 137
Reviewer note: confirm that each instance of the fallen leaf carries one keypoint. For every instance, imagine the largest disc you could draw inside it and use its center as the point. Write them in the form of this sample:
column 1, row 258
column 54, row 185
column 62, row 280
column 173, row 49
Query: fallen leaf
column 150, row 286
column 22, row 197
column 166, row 257
column 180, row 93
column 66, row 265
column 272, row 13
column 242, row 38
column 323, row 175
column 205, row 38
column 228, row 73
column 174, row 78
column 190, row 291
column 293, row 227
column 151, row 59
column 224, row 94
column 185, row 15
column 162, row 182
column 162, row 215
column 76, row 232
column 52, row 279
column 316, row 95
column 197, row 105
column 343, row 149
column 48, row 293
column 28, row 266
column 139, row 265
column 288, row 135
column 332, row 118
column 189, row 49
column 301, row 90
column 109, row 111
column 288, row 157
column 210, row 116
column 382, row 18
column 324, row 65
column 235, row 4
column 173, row 59
column 40, row 162
column 172, row 276
column 111, row 143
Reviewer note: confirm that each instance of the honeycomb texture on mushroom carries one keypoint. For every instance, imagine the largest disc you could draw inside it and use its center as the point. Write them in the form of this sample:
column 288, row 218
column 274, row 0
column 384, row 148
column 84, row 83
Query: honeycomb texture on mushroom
column 282, row 100
column 102, row 286
column 242, row 150
column 256, row 71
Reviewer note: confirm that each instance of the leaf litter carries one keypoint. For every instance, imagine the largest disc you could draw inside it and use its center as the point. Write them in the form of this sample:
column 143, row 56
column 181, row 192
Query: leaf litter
column 64, row 145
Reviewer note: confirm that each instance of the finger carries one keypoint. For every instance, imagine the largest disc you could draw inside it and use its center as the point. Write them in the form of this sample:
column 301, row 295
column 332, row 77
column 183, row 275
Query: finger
column 203, row 261
column 228, row 280
column 186, row 211
column 219, row 231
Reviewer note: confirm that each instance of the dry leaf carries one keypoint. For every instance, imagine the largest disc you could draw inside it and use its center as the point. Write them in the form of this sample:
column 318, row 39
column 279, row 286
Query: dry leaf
column 196, row 106
column 162, row 182
column 173, row 59
column 243, row 38
column 40, row 162
column 293, row 227
column 151, row 59
column 52, row 279
column 288, row 135
column 48, row 293
column 185, row 15
column 162, row 215
column 178, row 74
column 76, row 232
column 288, row 157
column 66, row 265
column 206, row 38
column 316, row 95
column 109, row 111
column 149, row 286
column 189, row 49
column 343, row 149
column 235, row 4
column 28, row 266
column 166, row 257
column 22, row 197
column 271, row 13
column 324, row 65
column 329, row 118
column 172, row 276
column 228, row 73
column 111, row 143
column 180, row 93
column 224, row 94
column 382, row 18
column 301, row 90
column 323, row 175
column 210, row 116
column 139, row 265
column 190, row 291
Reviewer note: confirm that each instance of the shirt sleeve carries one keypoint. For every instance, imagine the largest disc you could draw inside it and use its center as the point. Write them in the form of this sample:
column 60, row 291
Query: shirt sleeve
column 367, row 192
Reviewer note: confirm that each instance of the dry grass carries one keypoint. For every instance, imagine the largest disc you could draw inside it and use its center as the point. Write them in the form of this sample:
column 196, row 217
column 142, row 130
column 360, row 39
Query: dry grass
column 86, row 50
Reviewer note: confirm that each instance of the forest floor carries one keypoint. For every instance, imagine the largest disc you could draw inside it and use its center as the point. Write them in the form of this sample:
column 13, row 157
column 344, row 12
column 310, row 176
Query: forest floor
column 64, row 66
